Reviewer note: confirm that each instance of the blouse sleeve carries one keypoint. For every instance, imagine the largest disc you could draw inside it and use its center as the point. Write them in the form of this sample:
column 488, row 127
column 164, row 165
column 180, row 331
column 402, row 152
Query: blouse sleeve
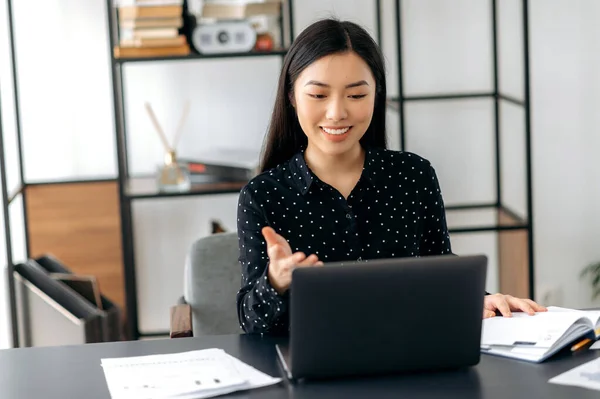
column 260, row 308
column 435, row 239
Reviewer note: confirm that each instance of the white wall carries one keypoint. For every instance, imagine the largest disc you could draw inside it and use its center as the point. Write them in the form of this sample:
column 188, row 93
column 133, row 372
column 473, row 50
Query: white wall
column 66, row 98
column 64, row 89
column 565, row 85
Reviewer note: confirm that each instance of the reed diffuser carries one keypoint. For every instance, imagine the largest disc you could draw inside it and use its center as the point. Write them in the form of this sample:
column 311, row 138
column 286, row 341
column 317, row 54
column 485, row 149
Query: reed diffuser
column 171, row 175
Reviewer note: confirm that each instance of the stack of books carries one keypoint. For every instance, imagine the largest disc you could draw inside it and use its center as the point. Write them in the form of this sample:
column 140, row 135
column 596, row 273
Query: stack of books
column 150, row 28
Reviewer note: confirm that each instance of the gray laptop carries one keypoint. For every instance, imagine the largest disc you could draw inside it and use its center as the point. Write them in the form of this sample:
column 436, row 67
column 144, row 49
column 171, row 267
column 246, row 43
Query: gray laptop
column 385, row 316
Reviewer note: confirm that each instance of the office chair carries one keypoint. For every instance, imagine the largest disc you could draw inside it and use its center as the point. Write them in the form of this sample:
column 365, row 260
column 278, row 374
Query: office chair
column 211, row 282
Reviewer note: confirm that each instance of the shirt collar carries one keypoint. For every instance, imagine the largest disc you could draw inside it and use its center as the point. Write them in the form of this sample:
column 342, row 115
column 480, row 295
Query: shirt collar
column 303, row 177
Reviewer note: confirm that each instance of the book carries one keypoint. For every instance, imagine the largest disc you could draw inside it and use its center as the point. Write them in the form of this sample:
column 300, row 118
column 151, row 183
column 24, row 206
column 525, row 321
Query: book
column 151, row 33
column 154, row 42
column 206, row 172
column 145, row 23
column 142, row 3
column 240, row 10
column 538, row 337
column 145, row 52
column 113, row 324
column 86, row 286
column 132, row 12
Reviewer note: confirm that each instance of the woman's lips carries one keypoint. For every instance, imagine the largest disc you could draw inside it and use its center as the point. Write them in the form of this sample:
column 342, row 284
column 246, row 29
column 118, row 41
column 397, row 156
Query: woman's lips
column 336, row 134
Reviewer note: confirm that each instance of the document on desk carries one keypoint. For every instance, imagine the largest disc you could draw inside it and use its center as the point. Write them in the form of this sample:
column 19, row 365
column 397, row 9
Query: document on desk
column 587, row 376
column 188, row 375
column 536, row 338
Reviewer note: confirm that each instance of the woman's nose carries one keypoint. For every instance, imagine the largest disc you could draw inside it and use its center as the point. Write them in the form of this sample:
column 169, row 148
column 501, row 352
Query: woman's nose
column 336, row 110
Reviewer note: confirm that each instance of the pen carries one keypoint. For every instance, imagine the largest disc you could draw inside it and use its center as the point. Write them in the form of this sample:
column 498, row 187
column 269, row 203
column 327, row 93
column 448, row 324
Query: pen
column 584, row 341
column 580, row 344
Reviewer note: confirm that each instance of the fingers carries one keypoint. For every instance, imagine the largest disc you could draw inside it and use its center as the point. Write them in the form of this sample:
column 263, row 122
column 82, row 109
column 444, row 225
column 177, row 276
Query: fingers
column 312, row 260
column 507, row 303
column 488, row 313
column 502, row 305
column 278, row 251
column 271, row 236
column 536, row 306
column 296, row 259
column 520, row 304
column 309, row 261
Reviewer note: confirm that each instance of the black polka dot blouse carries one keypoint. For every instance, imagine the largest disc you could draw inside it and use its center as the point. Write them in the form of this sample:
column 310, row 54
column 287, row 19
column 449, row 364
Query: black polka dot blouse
column 395, row 210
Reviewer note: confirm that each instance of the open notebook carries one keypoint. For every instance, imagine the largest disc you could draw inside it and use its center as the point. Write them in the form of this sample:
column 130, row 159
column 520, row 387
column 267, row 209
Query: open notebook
column 536, row 338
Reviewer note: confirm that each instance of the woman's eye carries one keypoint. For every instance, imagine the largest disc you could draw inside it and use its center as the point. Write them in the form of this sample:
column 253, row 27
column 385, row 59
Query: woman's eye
column 357, row 96
column 317, row 95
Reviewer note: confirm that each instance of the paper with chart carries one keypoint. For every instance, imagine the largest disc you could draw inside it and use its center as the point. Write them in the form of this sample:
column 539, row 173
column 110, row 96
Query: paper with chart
column 587, row 376
column 195, row 374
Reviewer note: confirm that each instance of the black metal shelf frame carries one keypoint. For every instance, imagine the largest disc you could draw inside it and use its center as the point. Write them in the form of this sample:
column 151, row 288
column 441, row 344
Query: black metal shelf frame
column 9, row 196
column 125, row 196
column 194, row 56
column 399, row 102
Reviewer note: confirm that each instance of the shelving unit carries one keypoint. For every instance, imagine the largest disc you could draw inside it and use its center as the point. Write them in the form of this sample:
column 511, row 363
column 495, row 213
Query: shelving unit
column 10, row 195
column 6, row 200
column 493, row 217
column 133, row 188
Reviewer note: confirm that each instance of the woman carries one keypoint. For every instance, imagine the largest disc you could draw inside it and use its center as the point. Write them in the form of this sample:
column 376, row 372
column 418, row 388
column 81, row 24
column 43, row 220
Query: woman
column 330, row 191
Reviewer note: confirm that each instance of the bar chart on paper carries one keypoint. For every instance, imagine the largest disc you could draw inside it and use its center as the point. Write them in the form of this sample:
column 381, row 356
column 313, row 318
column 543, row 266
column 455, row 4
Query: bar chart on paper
column 587, row 376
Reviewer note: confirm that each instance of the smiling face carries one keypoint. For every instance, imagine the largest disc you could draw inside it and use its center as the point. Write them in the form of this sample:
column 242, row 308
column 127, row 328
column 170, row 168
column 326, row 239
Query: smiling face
column 334, row 99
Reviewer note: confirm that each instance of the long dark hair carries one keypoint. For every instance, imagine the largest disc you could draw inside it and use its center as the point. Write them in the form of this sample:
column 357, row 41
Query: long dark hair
column 322, row 38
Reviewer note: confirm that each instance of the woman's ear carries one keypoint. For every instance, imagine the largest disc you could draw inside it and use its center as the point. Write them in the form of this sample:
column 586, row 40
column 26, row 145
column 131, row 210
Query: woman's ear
column 292, row 100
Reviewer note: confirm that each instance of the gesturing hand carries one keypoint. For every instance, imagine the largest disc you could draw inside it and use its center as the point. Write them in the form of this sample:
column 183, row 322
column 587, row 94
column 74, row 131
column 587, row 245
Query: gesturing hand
column 506, row 303
column 282, row 261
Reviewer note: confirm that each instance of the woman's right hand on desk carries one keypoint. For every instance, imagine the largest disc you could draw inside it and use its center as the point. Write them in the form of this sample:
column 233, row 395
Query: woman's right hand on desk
column 282, row 261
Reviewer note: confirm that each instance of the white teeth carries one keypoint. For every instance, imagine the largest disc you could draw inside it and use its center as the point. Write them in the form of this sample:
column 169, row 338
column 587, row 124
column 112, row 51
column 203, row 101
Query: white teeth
column 335, row 131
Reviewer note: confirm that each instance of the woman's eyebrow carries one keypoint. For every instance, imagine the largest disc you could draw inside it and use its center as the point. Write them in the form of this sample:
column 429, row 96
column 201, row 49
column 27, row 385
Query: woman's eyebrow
column 321, row 84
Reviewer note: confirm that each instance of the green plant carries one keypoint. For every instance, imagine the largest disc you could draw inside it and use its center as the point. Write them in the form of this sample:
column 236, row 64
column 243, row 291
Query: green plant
column 593, row 273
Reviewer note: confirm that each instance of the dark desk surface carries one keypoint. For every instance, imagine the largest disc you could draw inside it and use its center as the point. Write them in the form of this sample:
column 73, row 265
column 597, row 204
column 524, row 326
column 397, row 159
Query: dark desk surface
column 75, row 372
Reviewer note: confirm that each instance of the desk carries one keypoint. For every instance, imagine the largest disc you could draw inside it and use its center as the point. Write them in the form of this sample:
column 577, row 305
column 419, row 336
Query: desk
column 75, row 372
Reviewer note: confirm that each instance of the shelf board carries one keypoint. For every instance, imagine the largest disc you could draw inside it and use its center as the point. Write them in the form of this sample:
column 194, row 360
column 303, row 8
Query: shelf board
column 94, row 179
column 465, row 219
column 480, row 219
column 146, row 188
column 196, row 56
column 394, row 102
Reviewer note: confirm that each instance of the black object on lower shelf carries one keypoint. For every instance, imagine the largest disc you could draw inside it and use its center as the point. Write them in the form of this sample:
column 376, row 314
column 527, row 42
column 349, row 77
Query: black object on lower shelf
column 53, row 313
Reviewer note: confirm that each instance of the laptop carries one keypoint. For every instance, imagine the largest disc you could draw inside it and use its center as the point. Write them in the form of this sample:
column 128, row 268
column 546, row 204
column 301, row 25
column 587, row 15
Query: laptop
column 385, row 316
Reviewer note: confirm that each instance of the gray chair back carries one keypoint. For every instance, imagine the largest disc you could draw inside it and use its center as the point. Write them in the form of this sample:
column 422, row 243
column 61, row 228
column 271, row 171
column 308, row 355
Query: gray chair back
column 211, row 282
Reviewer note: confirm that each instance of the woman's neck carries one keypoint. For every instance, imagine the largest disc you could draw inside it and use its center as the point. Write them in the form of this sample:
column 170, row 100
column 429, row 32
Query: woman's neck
column 330, row 167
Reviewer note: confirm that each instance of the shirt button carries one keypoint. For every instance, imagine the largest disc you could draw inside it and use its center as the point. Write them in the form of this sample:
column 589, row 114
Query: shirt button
column 348, row 216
